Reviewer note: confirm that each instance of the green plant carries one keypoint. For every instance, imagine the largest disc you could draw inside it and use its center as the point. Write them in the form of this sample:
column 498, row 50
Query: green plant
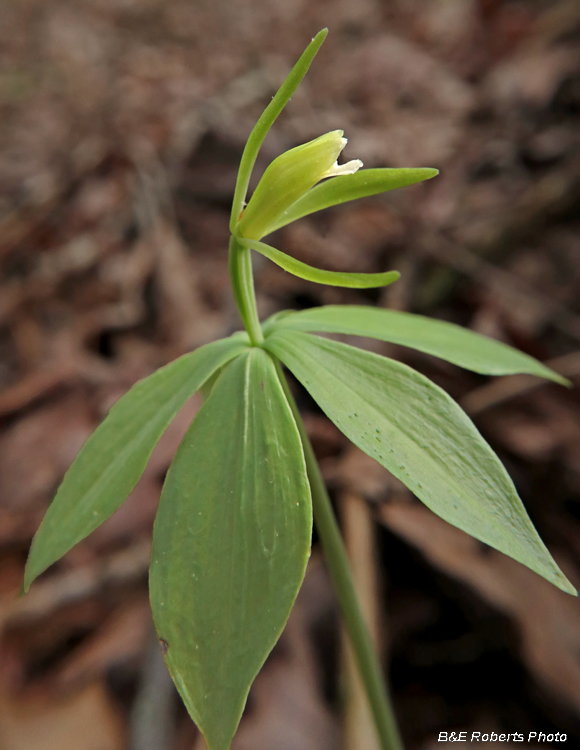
column 233, row 531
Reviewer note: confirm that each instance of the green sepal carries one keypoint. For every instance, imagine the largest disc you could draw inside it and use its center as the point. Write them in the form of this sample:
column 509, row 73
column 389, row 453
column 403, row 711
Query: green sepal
column 345, row 188
column 114, row 457
column 318, row 275
column 230, row 543
column 417, row 432
column 267, row 119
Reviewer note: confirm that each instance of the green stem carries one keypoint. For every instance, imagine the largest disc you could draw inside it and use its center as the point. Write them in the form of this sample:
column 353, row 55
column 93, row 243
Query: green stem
column 338, row 566
column 240, row 267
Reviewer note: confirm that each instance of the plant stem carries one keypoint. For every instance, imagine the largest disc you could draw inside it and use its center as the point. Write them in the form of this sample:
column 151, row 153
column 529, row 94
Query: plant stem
column 338, row 566
column 240, row 267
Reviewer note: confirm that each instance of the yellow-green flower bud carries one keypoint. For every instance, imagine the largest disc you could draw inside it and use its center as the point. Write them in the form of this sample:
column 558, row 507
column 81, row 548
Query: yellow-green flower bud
column 288, row 177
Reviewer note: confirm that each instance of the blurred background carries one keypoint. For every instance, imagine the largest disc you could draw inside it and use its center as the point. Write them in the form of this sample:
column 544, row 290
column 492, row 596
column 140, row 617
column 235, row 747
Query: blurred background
column 122, row 123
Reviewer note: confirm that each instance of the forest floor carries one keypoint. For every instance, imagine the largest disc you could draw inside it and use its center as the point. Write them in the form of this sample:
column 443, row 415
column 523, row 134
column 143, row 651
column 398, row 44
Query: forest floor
column 121, row 127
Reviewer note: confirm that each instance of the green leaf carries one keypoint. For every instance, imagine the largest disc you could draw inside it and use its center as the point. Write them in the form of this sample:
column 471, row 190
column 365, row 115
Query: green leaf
column 451, row 342
column 361, row 184
column 267, row 119
column 230, row 543
column 416, row 431
column 114, row 457
column 332, row 278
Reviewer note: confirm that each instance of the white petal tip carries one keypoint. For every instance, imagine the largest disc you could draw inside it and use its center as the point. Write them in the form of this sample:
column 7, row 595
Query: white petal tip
column 341, row 169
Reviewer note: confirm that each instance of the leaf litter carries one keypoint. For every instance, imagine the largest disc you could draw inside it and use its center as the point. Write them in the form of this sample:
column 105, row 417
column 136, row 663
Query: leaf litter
column 121, row 133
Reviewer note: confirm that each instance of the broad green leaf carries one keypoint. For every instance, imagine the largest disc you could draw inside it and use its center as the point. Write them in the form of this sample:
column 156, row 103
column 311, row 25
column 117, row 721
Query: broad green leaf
column 267, row 119
column 446, row 340
column 230, row 543
column 332, row 278
column 114, row 457
column 416, row 431
column 361, row 184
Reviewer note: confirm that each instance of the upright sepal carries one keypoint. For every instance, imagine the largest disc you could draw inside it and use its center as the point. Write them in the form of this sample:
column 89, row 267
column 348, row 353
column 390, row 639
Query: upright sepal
column 230, row 543
column 267, row 119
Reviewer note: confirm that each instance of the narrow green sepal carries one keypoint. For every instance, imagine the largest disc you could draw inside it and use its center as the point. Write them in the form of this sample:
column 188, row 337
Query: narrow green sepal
column 341, row 189
column 267, row 119
column 318, row 275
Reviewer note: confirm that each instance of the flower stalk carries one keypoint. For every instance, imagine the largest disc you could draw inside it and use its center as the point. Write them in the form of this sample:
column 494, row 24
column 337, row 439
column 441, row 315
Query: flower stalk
column 242, row 279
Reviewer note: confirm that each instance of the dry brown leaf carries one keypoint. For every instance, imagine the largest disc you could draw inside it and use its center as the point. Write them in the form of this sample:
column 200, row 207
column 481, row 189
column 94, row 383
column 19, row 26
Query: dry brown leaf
column 120, row 639
column 85, row 720
column 548, row 619
column 39, row 448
